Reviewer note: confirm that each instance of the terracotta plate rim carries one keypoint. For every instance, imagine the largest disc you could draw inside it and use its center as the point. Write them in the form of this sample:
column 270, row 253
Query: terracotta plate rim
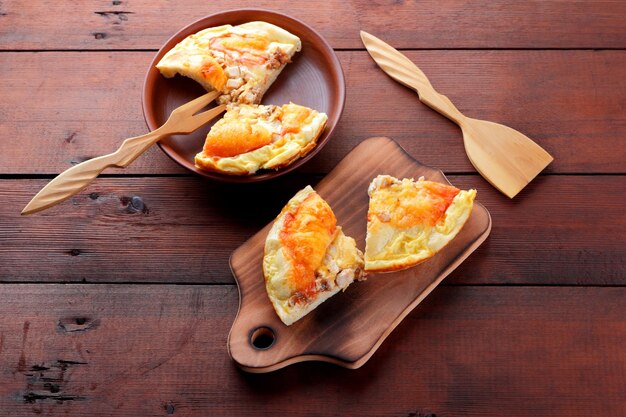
column 321, row 43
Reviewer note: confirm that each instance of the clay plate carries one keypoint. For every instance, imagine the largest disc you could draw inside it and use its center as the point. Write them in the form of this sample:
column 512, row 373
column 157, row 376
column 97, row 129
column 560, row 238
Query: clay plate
column 314, row 79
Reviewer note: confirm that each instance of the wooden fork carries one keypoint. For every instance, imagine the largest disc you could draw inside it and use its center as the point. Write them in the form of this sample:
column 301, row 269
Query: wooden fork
column 182, row 120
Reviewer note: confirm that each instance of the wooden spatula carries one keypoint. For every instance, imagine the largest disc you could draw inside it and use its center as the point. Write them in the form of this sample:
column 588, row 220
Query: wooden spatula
column 71, row 181
column 506, row 158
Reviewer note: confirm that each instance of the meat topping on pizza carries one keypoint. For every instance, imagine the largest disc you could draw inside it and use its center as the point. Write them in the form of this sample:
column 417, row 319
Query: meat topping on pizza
column 239, row 61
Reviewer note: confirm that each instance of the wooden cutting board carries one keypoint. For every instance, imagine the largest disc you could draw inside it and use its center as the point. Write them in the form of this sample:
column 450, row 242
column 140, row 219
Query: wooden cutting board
column 349, row 327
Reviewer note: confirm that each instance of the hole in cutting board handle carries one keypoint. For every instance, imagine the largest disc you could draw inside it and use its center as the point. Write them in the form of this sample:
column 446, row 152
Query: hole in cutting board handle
column 262, row 338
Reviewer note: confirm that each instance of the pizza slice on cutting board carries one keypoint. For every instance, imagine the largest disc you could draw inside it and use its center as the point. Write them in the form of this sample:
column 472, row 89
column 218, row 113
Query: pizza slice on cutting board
column 307, row 257
column 409, row 221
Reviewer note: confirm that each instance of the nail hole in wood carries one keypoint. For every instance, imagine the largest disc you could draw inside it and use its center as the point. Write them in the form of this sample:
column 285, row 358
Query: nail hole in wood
column 262, row 338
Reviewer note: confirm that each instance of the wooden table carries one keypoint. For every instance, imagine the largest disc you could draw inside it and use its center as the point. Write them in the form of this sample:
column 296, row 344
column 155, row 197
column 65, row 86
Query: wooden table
column 119, row 301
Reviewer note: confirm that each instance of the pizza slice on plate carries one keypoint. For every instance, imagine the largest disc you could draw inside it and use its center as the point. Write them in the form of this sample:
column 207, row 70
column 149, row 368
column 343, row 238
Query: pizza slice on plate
column 240, row 61
column 307, row 257
column 409, row 221
column 253, row 137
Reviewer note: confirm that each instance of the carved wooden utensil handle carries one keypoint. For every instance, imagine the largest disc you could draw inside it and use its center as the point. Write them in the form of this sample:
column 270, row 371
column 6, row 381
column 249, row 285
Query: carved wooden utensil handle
column 76, row 178
column 183, row 119
column 440, row 103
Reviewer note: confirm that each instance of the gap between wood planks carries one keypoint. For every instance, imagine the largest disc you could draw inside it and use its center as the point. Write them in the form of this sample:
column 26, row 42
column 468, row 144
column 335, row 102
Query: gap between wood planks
column 335, row 49
column 226, row 284
column 308, row 174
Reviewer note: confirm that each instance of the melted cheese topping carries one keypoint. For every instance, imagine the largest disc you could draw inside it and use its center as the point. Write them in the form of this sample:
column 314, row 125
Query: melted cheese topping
column 239, row 61
column 404, row 205
column 408, row 221
column 248, row 49
column 306, row 234
column 232, row 139
column 212, row 73
column 307, row 257
column 249, row 138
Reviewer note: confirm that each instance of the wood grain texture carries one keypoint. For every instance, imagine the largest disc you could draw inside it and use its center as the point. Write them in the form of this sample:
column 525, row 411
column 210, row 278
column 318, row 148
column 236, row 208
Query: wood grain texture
column 144, row 24
column 570, row 102
column 119, row 350
column 559, row 230
column 370, row 310
column 160, row 350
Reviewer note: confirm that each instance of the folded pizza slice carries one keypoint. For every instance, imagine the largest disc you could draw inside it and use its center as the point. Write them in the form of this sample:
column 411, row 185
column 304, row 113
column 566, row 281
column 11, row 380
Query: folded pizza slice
column 253, row 137
column 240, row 61
column 409, row 221
column 307, row 257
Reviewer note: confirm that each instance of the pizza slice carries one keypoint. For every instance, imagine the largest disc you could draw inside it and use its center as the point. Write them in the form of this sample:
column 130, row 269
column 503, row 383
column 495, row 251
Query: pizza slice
column 409, row 221
column 307, row 257
column 253, row 137
column 240, row 61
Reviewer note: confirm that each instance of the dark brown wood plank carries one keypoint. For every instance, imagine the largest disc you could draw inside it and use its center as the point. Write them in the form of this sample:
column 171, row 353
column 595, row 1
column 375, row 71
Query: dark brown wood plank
column 147, row 24
column 60, row 109
column 559, row 230
column 116, row 350
column 571, row 102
